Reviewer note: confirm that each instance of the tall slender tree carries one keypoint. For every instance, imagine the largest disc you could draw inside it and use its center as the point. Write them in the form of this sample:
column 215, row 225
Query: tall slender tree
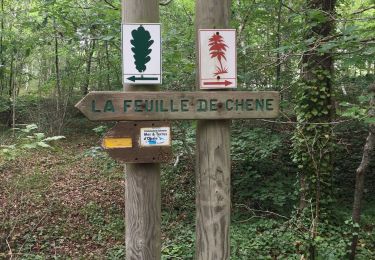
column 313, row 135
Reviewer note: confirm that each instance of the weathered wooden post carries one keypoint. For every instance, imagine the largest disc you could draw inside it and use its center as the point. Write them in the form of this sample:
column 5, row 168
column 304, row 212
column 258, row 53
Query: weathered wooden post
column 213, row 158
column 142, row 181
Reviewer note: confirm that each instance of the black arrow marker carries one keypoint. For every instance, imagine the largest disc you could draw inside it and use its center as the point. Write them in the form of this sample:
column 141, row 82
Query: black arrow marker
column 134, row 78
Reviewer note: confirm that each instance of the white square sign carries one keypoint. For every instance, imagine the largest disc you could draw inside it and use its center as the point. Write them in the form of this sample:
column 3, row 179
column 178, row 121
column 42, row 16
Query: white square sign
column 141, row 53
column 217, row 59
column 155, row 136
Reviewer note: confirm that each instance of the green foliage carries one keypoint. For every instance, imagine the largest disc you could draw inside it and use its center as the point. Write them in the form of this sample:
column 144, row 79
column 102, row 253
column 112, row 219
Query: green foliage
column 4, row 104
column 27, row 139
column 100, row 130
column 359, row 110
column 178, row 46
column 105, row 225
column 180, row 239
column 116, row 253
column 36, row 182
column 258, row 160
column 255, row 144
column 83, row 38
column 263, row 238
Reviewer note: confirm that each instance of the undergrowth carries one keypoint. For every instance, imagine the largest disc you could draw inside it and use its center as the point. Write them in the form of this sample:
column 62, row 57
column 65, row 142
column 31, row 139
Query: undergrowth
column 68, row 202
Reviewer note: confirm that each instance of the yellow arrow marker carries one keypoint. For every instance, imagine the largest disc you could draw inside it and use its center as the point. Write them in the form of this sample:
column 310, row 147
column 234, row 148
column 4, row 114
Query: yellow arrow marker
column 112, row 142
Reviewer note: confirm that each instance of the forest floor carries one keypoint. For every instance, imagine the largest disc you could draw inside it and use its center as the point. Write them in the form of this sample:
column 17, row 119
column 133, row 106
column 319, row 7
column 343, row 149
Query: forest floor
column 68, row 203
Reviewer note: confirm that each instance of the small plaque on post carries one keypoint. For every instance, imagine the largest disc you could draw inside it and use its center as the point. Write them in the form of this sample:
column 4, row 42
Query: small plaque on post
column 141, row 53
column 139, row 142
column 217, row 59
column 155, row 136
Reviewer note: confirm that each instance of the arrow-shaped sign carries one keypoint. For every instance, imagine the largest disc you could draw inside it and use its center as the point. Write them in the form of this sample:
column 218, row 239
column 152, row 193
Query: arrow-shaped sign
column 139, row 106
column 134, row 78
column 226, row 83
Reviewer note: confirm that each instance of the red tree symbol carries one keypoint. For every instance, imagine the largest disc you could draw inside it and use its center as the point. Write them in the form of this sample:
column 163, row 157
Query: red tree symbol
column 217, row 50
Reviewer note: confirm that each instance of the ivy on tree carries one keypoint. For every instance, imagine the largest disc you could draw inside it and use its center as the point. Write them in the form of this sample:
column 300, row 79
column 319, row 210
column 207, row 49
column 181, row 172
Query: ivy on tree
column 142, row 43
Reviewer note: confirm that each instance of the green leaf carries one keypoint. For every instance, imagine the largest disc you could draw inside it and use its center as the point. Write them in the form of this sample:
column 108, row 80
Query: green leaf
column 39, row 136
column 327, row 46
column 30, row 146
column 29, row 128
column 345, row 104
column 349, row 29
column 44, row 145
column 53, row 138
column 370, row 120
column 107, row 38
column 317, row 16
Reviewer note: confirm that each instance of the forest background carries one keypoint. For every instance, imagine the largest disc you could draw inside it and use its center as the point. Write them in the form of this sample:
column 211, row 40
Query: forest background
column 293, row 178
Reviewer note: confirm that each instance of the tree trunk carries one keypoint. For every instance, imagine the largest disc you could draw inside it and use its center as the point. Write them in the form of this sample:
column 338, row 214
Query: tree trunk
column 360, row 176
column 90, row 54
column 14, row 98
column 108, row 65
column 313, row 145
column 10, row 92
column 278, row 42
column 2, row 65
column 57, row 69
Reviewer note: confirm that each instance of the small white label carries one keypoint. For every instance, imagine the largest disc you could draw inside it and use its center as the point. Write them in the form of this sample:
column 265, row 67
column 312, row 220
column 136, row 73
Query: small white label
column 155, row 136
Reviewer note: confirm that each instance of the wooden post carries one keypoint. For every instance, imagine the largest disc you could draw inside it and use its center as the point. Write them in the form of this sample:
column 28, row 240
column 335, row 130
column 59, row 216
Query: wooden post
column 213, row 159
column 142, row 181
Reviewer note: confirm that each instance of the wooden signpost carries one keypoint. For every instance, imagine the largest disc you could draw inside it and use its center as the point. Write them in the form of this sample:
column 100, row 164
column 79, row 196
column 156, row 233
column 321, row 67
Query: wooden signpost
column 213, row 162
column 142, row 180
column 118, row 106
column 143, row 143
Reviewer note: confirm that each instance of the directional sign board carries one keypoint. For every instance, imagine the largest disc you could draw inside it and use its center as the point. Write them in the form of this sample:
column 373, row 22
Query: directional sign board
column 217, row 59
column 123, row 106
column 141, row 53
column 139, row 142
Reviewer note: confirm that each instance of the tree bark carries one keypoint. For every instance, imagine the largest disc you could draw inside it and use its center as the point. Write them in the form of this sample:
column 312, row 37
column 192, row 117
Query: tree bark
column 2, row 65
column 11, row 91
column 278, row 42
column 360, row 176
column 317, row 71
column 57, row 68
column 90, row 54
column 213, row 165
column 313, row 145
column 108, row 65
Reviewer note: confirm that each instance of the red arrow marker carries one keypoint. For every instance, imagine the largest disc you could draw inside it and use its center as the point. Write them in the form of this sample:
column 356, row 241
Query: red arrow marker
column 226, row 83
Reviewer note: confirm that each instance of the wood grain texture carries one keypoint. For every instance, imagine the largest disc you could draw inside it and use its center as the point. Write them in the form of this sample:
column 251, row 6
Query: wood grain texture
column 143, row 213
column 213, row 159
column 213, row 190
column 142, row 181
column 216, row 104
